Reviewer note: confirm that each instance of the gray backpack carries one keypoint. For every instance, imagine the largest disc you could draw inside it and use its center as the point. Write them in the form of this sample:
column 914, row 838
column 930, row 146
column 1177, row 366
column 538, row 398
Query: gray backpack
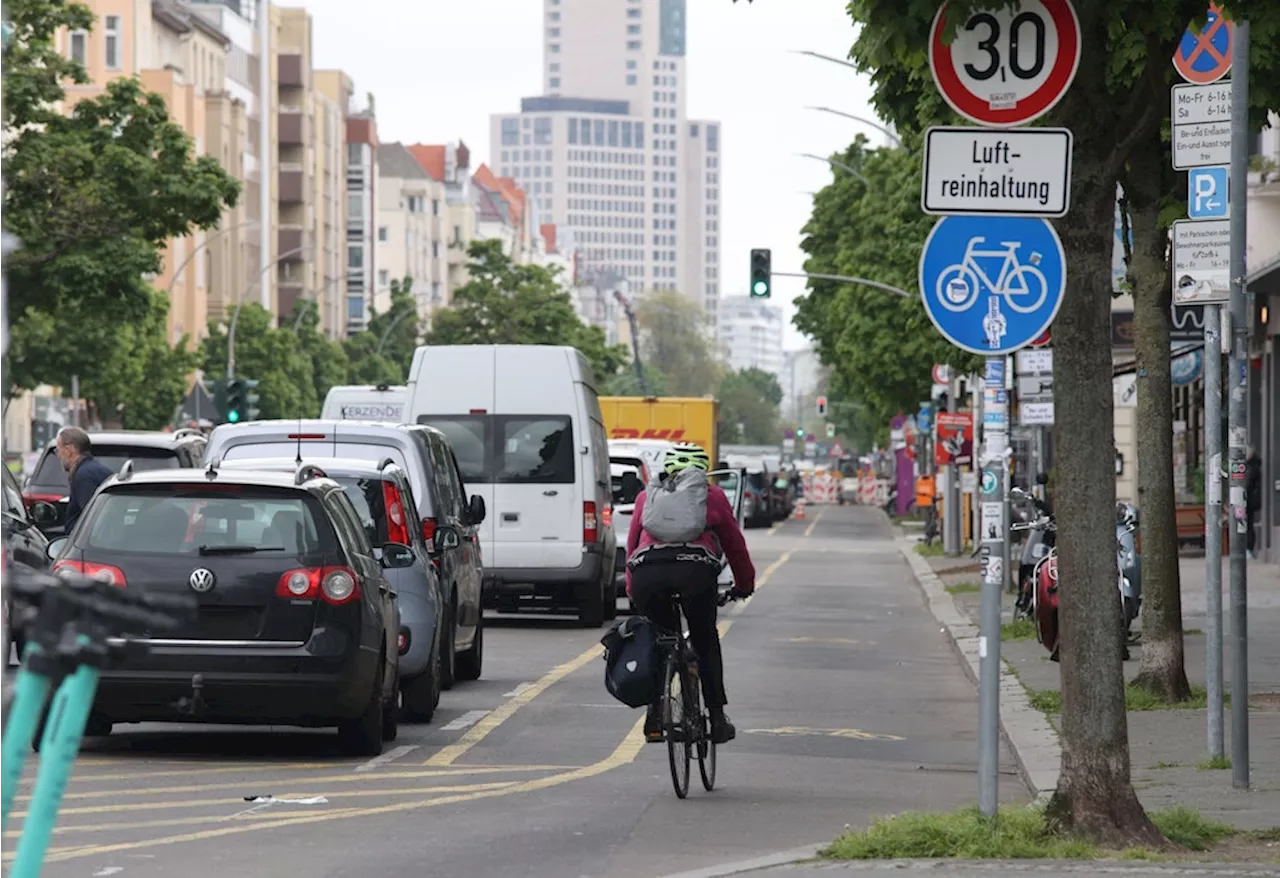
column 675, row 510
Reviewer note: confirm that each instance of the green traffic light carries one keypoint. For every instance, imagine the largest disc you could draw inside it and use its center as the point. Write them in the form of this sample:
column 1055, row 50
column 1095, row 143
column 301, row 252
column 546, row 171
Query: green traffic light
column 760, row 288
column 233, row 416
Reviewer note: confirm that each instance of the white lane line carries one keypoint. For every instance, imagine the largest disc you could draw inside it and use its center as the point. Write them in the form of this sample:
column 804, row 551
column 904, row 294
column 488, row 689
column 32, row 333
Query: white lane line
column 468, row 719
column 516, row 691
column 389, row 756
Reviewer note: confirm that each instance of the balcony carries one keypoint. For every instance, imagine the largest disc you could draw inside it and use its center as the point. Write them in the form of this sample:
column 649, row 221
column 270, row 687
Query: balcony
column 291, row 182
column 290, row 292
column 292, row 243
column 292, row 73
column 291, row 127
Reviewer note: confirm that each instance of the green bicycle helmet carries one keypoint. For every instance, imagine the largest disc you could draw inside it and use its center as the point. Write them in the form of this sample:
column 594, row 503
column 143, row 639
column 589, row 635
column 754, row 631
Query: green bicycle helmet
column 684, row 455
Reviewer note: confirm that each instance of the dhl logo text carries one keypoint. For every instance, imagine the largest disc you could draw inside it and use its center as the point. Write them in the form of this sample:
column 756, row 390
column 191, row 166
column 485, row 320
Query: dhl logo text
column 629, row 433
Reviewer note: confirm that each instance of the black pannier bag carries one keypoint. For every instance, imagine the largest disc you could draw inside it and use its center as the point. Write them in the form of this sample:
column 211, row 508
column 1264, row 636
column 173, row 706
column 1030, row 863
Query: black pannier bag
column 631, row 662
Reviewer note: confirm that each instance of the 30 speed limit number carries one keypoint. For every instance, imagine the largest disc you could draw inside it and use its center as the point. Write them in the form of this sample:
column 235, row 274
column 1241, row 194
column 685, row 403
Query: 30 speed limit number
column 1006, row 66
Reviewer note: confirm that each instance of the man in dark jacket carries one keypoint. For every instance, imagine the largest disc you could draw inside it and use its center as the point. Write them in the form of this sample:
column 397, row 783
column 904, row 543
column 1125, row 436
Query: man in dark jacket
column 84, row 471
column 1252, row 497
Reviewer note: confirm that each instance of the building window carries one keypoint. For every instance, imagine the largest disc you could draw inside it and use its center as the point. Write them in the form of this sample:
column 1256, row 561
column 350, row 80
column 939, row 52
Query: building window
column 631, row 79
column 599, row 132
column 383, row 276
column 510, row 132
column 573, row 130
column 555, row 16
column 632, row 45
column 713, row 138
column 586, row 132
column 355, row 205
column 382, row 233
column 79, row 46
column 555, row 82
column 435, row 249
column 553, row 32
column 693, row 129
column 554, row 47
column 633, row 13
column 626, row 135
column 542, row 126
column 435, row 291
column 111, row 42
column 355, row 256
column 633, row 29
column 435, row 207
column 613, row 133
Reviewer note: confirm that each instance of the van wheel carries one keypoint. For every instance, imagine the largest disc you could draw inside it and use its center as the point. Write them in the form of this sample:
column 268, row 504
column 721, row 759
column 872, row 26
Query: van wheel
column 448, row 645
column 362, row 736
column 471, row 662
column 422, row 693
column 591, row 610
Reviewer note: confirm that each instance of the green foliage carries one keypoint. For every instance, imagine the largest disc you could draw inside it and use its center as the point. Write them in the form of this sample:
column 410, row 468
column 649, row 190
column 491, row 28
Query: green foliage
column 673, row 341
column 627, row 383
column 749, row 402
column 327, row 358
column 280, row 359
column 879, row 347
column 383, row 351
column 506, row 303
column 93, row 196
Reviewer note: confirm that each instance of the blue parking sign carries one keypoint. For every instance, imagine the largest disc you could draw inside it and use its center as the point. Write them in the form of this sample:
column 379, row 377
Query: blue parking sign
column 992, row 284
column 1207, row 193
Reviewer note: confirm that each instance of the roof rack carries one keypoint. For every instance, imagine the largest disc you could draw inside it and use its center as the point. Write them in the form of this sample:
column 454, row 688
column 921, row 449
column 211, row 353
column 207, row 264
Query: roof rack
column 126, row 471
column 386, row 462
column 183, row 432
column 308, row 471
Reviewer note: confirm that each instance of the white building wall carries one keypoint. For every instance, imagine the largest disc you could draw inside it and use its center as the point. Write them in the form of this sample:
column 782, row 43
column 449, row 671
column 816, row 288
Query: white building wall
column 404, row 239
column 750, row 334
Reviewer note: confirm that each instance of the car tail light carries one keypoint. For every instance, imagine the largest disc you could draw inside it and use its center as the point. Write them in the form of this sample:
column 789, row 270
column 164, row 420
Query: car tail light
column 429, row 530
column 402, row 641
column 1137, row 543
column 607, row 518
column 104, row 572
column 308, row 436
column 590, row 523
column 397, row 524
column 336, row 585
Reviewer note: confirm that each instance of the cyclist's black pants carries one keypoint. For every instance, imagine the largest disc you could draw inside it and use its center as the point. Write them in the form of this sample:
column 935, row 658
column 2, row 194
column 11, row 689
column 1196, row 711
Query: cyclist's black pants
column 651, row 586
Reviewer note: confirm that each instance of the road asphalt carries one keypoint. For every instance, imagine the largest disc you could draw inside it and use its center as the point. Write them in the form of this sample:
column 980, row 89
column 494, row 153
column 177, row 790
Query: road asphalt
column 849, row 700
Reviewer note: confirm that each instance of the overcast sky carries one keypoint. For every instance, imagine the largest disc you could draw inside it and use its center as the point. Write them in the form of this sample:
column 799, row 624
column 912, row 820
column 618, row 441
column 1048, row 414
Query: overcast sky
column 438, row 68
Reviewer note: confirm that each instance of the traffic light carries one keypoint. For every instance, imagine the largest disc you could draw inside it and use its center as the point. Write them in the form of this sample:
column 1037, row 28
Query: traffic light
column 831, row 431
column 242, row 401
column 220, row 397
column 822, row 406
column 761, row 273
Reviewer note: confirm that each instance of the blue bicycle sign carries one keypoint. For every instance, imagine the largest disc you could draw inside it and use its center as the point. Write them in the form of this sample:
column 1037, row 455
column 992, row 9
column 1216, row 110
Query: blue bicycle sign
column 990, row 284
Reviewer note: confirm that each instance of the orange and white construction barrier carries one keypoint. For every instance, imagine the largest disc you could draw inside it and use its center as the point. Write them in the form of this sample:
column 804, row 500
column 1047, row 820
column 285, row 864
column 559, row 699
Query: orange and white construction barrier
column 799, row 513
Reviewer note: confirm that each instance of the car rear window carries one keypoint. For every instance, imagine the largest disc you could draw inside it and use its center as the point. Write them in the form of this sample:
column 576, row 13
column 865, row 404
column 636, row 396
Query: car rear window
column 49, row 474
column 511, row 449
column 167, row 520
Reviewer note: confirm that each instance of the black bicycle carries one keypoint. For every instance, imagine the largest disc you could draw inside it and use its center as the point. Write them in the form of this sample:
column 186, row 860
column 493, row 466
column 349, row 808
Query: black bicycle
column 685, row 724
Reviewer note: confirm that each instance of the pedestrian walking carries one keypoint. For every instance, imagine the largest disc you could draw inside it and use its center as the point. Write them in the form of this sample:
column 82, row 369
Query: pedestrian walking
column 1252, row 498
column 84, row 471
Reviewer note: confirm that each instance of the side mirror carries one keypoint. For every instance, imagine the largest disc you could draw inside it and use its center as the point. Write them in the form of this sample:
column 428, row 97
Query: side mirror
column 44, row 514
column 55, row 547
column 475, row 509
column 396, row 556
column 1042, row 478
column 446, row 538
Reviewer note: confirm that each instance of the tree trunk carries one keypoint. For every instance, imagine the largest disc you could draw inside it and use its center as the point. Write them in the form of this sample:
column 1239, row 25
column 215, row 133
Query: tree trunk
column 1163, row 668
column 1095, row 796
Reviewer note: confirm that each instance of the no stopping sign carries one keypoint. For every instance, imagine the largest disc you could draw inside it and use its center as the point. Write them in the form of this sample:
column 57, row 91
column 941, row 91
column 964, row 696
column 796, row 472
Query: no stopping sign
column 1007, row 66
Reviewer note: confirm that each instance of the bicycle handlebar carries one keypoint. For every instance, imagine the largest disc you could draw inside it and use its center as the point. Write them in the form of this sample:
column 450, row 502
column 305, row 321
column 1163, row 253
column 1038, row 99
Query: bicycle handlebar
column 122, row 610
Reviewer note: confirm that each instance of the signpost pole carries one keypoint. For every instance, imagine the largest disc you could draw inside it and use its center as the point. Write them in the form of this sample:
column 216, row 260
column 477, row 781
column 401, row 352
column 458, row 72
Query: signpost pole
column 994, row 548
column 1213, row 525
column 1237, row 416
column 951, row 535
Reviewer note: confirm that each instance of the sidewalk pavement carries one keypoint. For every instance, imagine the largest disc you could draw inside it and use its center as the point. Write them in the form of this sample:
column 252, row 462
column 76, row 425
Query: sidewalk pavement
column 1166, row 746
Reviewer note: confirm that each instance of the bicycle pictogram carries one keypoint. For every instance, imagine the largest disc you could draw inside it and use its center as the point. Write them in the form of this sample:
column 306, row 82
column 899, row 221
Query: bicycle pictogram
column 1022, row 286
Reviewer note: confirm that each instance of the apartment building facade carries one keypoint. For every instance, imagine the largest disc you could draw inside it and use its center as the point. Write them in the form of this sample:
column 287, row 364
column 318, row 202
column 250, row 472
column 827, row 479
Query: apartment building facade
column 750, row 334
column 362, row 218
column 331, row 263
column 604, row 151
column 409, row 228
column 450, row 165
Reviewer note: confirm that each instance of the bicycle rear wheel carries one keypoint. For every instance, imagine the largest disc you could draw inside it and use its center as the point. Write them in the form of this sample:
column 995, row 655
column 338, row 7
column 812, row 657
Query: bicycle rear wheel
column 676, row 724
column 700, row 726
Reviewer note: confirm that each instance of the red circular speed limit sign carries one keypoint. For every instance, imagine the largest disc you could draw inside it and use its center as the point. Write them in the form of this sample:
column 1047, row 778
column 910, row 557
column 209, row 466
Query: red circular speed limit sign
column 1042, row 340
column 1008, row 66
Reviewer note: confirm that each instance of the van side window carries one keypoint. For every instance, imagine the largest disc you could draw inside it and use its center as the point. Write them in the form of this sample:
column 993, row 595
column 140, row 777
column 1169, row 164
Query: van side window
column 600, row 449
column 442, row 471
column 537, row 449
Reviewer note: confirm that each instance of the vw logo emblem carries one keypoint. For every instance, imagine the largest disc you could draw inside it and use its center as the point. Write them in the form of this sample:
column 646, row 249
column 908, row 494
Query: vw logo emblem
column 201, row 580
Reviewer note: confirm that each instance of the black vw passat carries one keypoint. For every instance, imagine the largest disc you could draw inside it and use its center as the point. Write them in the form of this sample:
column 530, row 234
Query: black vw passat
column 296, row 624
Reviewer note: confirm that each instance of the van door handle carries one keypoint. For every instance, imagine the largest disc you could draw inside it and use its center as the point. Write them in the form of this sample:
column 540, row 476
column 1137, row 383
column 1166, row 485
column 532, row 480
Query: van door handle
column 550, row 493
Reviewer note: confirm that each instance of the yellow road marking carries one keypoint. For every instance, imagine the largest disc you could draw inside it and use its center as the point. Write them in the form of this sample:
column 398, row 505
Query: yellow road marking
column 291, row 794
column 363, row 777
column 477, row 733
column 247, row 768
column 808, row 531
column 624, row 753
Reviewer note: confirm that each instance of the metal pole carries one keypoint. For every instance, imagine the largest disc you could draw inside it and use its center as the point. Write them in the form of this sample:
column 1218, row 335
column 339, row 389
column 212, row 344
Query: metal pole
column 264, row 148
column 1213, row 524
column 75, row 400
column 844, row 278
column 897, row 141
column 836, row 164
column 951, row 518
column 1238, row 412
column 993, row 487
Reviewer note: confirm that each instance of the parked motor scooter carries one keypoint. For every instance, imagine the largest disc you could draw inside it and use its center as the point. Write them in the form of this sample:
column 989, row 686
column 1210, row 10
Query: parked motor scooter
column 1035, row 548
column 1130, row 562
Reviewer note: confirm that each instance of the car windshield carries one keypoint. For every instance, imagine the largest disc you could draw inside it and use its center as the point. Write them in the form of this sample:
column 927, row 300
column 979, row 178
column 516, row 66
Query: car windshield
column 50, row 475
column 190, row 520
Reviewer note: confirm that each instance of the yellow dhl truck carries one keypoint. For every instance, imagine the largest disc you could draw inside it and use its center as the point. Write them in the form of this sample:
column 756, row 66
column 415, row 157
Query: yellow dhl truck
column 668, row 418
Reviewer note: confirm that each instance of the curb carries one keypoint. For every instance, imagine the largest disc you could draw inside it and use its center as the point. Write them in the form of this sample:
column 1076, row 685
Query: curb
column 781, row 858
column 1033, row 741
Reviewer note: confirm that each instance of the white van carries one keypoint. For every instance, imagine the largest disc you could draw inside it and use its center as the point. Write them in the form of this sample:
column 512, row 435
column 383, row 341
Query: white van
column 525, row 425
column 354, row 402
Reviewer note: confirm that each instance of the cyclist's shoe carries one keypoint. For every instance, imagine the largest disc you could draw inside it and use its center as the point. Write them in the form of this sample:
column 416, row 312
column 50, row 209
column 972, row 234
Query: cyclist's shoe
column 722, row 731
column 653, row 724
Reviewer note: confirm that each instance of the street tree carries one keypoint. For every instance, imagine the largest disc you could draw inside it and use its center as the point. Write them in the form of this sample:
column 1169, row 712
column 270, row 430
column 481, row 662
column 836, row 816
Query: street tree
column 507, row 303
column 328, row 357
column 398, row 330
column 93, row 195
column 749, row 401
column 1118, row 97
column 1153, row 196
column 276, row 358
column 627, row 382
column 880, row 347
column 673, row 341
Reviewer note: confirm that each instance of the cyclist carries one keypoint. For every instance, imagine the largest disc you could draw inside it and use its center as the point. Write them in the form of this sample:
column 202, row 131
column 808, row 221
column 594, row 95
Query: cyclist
column 655, row 570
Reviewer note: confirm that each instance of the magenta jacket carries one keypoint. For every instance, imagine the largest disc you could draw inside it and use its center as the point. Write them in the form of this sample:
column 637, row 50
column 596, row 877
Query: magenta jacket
column 722, row 535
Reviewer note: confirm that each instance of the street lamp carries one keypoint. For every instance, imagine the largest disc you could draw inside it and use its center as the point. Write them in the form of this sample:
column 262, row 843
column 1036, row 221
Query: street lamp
column 235, row 317
column 876, row 125
column 297, row 321
column 208, row 239
column 387, row 332
column 836, row 164
column 824, row 57
column 847, row 279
